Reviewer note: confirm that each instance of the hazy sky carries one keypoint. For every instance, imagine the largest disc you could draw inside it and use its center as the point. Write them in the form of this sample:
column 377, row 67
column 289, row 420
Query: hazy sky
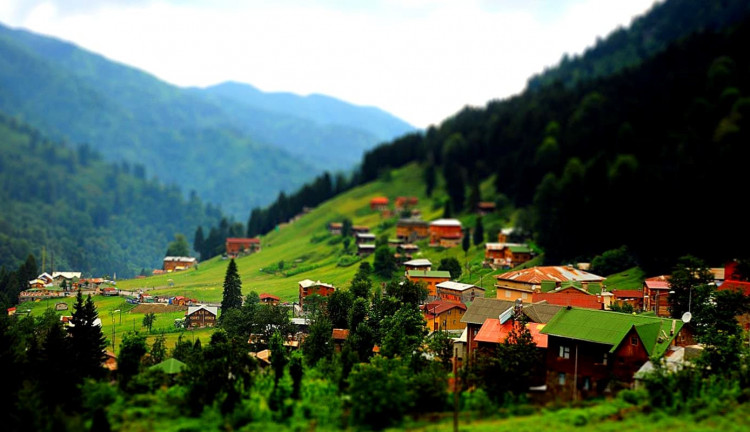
column 421, row 60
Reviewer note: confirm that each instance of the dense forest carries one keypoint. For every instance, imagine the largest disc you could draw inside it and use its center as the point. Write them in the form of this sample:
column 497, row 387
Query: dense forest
column 200, row 139
column 644, row 157
column 87, row 214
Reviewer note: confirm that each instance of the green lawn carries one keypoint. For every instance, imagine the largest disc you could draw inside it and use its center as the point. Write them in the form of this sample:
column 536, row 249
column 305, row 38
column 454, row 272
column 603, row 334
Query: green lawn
column 630, row 279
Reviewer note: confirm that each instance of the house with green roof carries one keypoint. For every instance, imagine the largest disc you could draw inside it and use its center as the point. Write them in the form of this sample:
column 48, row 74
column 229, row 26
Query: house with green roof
column 430, row 279
column 592, row 352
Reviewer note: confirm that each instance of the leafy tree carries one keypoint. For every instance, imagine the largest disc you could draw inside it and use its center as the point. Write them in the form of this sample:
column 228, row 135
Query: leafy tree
column 690, row 280
column 199, row 241
column 148, row 320
column 278, row 356
column 403, row 332
column 318, row 344
column 158, row 350
column 129, row 361
column 338, row 307
column 384, row 263
column 379, row 391
column 270, row 319
column 296, row 371
column 346, row 227
column 407, row 292
column 441, row 344
column 478, row 236
column 232, row 297
column 360, row 287
column 178, row 247
column 612, row 261
column 451, row 265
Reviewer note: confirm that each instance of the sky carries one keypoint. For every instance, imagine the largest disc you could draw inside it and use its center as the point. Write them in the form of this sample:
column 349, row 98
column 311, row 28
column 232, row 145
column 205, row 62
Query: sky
column 421, row 60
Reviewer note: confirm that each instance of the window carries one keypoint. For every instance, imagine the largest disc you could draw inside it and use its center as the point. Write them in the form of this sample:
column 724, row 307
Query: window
column 564, row 352
column 507, row 294
column 604, row 359
column 634, row 341
column 524, row 296
column 561, row 378
column 586, row 383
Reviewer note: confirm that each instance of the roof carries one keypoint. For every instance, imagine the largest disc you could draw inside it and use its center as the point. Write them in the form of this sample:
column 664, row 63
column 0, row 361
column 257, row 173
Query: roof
column 732, row 285
column 263, row 356
column 422, row 262
column 610, row 328
column 340, row 334
column 412, row 222
column 170, row 366
column 541, row 312
column 365, row 235
column 628, row 293
column 456, row 286
column 379, row 200
column 269, row 296
column 336, row 225
column 66, row 275
column 571, row 297
column 486, row 204
column 242, row 240
column 179, row 259
column 211, row 309
column 657, row 282
column 308, row 283
column 536, row 275
column 437, row 307
column 430, row 274
column 446, row 222
column 494, row 332
column 482, row 308
column 366, row 246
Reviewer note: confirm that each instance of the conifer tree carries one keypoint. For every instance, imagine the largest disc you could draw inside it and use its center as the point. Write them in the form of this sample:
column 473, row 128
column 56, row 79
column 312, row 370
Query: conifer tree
column 232, row 289
column 87, row 338
column 199, row 241
column 478, row 236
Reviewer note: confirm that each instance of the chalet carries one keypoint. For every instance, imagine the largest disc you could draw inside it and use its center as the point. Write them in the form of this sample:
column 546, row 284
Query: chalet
column 521, row 284
column 269, row 299
column 379, row 203
column 364, row 249
column 176, row 263
column 589, row 349
column 65, row 276
column 633, row 298
column 237, row 245
column 418, row 264
column 405, row 203
column 732, row 283
column 458, row 292
column 45, row 292
column 430, row 279
column 201, row 316
column 486, row 207
column 412, row 229
column 360, row 229
column 407, row 248
column 110, row 361
column 182, row 301
column 572, row 294
column 444, row 315
column 339, row 336
column 656, row 295
column 446, row 232
column 308, row 287
column 335, row 228
column 360, row 238
column 495, row 331
column 507, row 255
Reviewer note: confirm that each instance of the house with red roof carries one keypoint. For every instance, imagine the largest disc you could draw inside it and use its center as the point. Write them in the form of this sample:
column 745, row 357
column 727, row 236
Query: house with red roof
column 308, row 288
column 446, row 232
column 656, row 295
column 522, row 284
column 339, row 336
column 444, row 315
column 571, row 296
column 379, row 203
column 266, row 298
column 633, row 298
column 495, row 331
column 238, row 245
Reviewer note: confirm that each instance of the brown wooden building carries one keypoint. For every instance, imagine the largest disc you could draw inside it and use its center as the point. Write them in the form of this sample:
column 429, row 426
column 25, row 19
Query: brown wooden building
column 177, row 263
column 430, row 279
column 201, row 316
column 237, row 245
column 446, row 232
column 308, row 288
column 412, row 229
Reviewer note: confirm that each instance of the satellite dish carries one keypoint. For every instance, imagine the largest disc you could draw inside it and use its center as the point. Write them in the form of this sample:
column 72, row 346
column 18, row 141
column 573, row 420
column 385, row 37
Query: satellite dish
column 686, row 317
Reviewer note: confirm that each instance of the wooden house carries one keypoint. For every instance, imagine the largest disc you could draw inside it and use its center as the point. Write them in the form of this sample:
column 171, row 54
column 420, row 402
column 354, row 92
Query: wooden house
column 266, row 298
column 177, row 263
column 507, row 255
column 339, row 336
column 521, row 284
column 486, row 207
column 405, row 203
column 633, row 298
column 446, row 232
column 590, row 350
column 364, row 249
column 457, row 292
column 360, row 229
column 430, row 279
column 379, row 203
column 572, row 294
column 237, row 245
column 418, row 264
column 656, row 295
column 495, row 331
column 335, row 228
column 308, row 288
column 412, row 229
column 201, row 316
column 479, row 310
column 360, row 238
column 441, row 315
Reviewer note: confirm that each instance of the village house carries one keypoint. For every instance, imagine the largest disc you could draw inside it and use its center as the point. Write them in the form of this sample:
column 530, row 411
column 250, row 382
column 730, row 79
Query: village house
column 589, row 349
column 656, row 295
column 266, row 298
column 68, row 277
column 418, row 264
column 335, row 228
column 507, row 255
column 177, row 263
column 430, row 279
column 731, row 282
column 339, row 336
column 379, row 203
column 360, row 238
column 633, row 298
column 571, row 293
column 486, row 207
column 201, row 316
column 360, row 229
column 446, row 232
column 521, row 284
column 364, row 249
column 412, row 229
column 407, row 249
column 405, row 203
column 457, row 292
column 308, row 288
column 237, row 245
column 441, row 315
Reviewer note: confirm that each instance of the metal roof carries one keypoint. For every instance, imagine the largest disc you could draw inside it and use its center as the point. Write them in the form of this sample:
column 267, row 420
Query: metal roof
column 456, row 286
column 494, row 332
column 446, row 222
column 430, row 274
column 418, row 262
column 482, row 308
column 536, row 275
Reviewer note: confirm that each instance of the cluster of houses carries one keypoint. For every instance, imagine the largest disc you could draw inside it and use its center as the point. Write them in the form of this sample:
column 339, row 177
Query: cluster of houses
column 61, row 284
column 503, row 254
column 234, row 246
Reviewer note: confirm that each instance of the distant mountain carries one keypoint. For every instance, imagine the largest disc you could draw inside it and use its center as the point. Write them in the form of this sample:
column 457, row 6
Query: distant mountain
column 230, row 152
column 89, row 215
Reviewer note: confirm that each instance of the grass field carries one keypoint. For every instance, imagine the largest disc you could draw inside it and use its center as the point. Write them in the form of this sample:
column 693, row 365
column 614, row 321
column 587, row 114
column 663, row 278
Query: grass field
column 630, row 279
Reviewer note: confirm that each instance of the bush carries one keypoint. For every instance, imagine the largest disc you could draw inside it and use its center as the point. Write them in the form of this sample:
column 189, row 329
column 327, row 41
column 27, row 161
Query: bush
column 613, row 261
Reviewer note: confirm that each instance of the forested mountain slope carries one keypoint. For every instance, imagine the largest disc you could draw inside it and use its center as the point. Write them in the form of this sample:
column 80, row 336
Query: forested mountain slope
column 198, row 141
column 90, row 216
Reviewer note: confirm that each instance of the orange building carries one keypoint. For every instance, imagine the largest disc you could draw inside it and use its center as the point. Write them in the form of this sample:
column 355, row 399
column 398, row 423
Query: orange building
column 430, row 279
column 266, row 298
column 507, row 254
column 175, row 263
column 235, row 245
column 656, row 295
column 446, row 232
column 308, row 288
column 444, row 315
column 412, row 229
column 521, row 284
column 379, row 203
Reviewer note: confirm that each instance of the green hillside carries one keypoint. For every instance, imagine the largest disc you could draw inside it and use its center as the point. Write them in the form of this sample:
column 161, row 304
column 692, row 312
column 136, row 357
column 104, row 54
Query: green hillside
column 309, row 252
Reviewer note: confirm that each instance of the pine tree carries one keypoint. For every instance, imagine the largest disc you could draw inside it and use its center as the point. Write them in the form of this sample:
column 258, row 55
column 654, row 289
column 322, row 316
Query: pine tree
column 478, row 236
column 199, row 241
column 232, row 289
column 87, row 338
column 466, row 243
